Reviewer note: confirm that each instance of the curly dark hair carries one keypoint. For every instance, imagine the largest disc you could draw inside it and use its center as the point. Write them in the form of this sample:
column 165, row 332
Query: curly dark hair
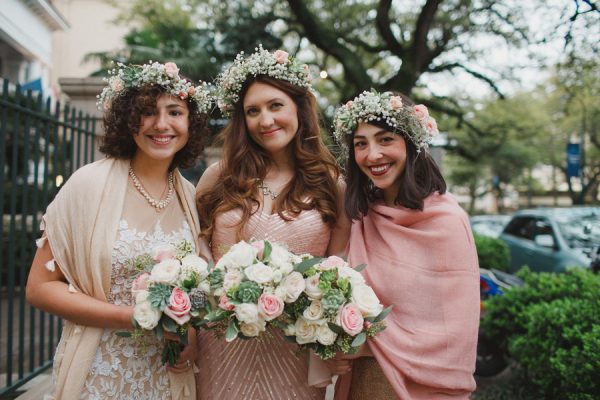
column 124, row 117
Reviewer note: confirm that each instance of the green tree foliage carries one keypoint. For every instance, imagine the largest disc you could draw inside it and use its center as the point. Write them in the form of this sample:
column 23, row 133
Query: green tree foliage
column 551, row 327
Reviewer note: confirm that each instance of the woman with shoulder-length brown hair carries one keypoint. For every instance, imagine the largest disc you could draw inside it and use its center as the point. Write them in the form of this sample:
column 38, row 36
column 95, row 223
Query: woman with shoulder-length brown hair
column 276, row 181
column 420, row 256
column 106, row 215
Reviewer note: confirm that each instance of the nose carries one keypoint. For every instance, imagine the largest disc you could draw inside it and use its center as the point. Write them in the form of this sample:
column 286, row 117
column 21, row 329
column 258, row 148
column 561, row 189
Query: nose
column 265, row 120
column 374, row 153
column 160, row 124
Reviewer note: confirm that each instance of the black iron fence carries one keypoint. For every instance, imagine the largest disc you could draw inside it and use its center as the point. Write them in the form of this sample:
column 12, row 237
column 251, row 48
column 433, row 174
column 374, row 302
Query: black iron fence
column 41, row 144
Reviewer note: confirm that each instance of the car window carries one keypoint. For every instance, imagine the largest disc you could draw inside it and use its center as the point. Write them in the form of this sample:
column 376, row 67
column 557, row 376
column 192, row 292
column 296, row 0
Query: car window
column 543, row 227
column 522, row 227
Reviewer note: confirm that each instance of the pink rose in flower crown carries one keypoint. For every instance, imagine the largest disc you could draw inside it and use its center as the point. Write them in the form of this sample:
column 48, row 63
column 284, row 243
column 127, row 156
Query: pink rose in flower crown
column 332, row 262
column 140, row 283
column 116, row 84
column 431, row 126
column 224, row 304
column 349, row 103
column 421, row 112
column 163, row 252
column 179, row 306
column 396, row 102
column 191, row 91
column 281, row 56
column 260, row 248
column 171, row 69
column 270, row 306
column 351, row 320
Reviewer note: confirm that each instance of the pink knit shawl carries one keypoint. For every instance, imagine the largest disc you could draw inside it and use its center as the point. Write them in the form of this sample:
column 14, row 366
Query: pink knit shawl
column 424, row 263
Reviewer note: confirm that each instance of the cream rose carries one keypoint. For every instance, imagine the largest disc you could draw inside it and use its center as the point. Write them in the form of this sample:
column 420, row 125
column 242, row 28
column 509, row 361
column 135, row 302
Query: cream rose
column 232, row 277
column 259, row 273
column 144, row 314
column 396, row 102
column 325, row 336
column 294, row 286
column 314, row 312
column 171, row 69
column 312, row 287
column 163, row 252
column 332, row 262
column 366, row 300
column 281, row 258
column 241, row 254
column 352, row 275
column 247, row 313
column 254, row 329
column 306, row 331
column 193, row 263
column 166, row 271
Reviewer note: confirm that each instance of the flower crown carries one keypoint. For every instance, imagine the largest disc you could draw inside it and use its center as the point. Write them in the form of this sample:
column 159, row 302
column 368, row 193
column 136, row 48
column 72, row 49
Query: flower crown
column 413, row 122
column 125, row 77
column 278, row 65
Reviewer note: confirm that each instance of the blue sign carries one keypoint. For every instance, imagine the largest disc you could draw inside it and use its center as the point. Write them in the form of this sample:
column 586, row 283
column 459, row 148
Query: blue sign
column 573, row 160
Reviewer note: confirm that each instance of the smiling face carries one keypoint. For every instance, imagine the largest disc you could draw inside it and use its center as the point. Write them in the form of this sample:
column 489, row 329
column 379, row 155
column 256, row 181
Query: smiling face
column 381, row 156
column 163, row 130
column 271, row 117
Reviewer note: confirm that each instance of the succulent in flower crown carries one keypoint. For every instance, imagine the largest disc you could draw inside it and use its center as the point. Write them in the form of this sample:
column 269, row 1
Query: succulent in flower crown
column 125, row 77
column 413, row 122
column 278, row 64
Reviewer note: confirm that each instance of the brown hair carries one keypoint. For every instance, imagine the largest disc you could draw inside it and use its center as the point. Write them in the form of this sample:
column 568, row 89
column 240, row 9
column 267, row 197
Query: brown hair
column 421, row 177
column 244, row 161
column 124, row 117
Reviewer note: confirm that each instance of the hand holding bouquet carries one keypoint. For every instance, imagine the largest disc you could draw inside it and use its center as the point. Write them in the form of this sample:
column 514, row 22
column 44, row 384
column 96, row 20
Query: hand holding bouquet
column 336, row 312
column 170, row 294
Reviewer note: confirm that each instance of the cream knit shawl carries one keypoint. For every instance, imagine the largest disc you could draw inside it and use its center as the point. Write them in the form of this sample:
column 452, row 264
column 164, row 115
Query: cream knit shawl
column 81, row 225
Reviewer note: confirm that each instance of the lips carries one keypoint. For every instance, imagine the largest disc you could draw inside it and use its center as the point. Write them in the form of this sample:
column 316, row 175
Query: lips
column 380, row 169
column 271, row 132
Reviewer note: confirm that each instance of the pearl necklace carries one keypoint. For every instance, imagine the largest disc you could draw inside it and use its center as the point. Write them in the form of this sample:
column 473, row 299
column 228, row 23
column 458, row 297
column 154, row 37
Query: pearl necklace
column 267, row 190
column 159, row 205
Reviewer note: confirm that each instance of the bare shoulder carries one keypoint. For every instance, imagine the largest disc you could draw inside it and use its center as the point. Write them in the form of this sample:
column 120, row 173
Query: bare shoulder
column 209, row 178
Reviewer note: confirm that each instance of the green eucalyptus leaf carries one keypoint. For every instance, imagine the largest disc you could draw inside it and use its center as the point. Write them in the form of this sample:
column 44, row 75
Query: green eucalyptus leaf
column 360, row 267
column 232, row 331
column 124, row 334
column 335, row 328
column 383, row 314
column 267, row 251
column 303, row 266
column 359, row 339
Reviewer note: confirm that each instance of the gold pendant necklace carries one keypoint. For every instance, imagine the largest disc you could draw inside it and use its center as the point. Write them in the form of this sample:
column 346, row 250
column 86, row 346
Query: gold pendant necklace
column 158, row 205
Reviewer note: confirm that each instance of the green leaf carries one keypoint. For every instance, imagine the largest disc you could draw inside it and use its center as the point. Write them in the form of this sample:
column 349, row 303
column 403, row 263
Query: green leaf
column 216, row 315
column 383, row 314
column 267, row 251
column 291, row 339
column 232, row 331
column 124, row 334
column 335, row 328
column 303, row 266
column 360, row 267
column 359, row 339
column 168, row 324
column 171, row 352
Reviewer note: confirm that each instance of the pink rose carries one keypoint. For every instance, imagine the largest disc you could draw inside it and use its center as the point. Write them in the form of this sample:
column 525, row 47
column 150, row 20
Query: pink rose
column 351, row 320
column 281, row 56
column 224, row 304
column 140, row 283
column 332, row 262
column 396, row 102
column 191, row 91
column 179, row 306
column 163, row 252
column 421, row 112
column 270, row 306
column 116, row 84
column 349, row 103
column 182, row 95
column 260, row 247
column 171, row 69
column 431, row 126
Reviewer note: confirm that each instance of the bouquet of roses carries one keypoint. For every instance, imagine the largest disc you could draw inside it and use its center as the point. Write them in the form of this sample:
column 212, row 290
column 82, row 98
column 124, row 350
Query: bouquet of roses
column 171, row 294
column 253, row 282
column 336, row 311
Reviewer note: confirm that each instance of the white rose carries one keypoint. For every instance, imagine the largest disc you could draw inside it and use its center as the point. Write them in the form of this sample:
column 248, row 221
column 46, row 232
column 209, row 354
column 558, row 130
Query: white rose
column 259, row 273
column 325, row 336
column 145, row 315
column 290, row 330
column 193, row 263
column 312, row 287
column 306, row 331
column 232, row 277
column 366, row 300
column 314, row 312
column 280, row 257
column 241, row 254
column 253, row 330
column 204, row 286
column 247, row 313
column 294, row 286
column 277, row 276
column 355, row 277
column 166, row 271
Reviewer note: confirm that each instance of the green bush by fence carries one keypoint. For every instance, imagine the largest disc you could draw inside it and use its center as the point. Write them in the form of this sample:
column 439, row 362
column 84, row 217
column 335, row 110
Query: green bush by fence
column 492, row 253
column 551, row 328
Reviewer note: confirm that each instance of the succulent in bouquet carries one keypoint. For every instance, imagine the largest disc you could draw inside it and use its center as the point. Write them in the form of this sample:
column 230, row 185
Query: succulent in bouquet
column 171, row 293
column 336, row 312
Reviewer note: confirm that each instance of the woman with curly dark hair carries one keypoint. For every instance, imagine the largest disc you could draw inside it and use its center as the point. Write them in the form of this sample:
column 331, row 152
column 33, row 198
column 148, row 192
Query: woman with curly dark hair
column 107, row 214
column 277, row 181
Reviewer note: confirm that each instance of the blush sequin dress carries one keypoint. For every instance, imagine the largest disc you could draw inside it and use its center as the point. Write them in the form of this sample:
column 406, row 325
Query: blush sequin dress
column 269, row 367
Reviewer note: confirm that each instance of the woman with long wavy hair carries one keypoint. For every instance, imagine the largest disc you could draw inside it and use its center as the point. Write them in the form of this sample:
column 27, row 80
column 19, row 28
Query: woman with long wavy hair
column 277, row 181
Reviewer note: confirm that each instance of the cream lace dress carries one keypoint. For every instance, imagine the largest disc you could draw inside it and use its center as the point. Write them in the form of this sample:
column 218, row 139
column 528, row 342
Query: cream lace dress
column 127, row 368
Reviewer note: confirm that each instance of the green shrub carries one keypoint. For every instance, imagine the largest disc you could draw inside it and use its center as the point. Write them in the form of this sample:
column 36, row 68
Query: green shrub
column 551, row 327
column 492, row 253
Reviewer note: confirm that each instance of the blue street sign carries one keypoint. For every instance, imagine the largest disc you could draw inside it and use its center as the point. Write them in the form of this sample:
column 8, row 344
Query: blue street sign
column 573, row 160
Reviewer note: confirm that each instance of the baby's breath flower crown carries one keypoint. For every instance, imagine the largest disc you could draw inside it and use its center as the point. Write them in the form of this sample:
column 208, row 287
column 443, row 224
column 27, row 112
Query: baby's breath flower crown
column 413, row 122
column 125, row 77
column 278, row 65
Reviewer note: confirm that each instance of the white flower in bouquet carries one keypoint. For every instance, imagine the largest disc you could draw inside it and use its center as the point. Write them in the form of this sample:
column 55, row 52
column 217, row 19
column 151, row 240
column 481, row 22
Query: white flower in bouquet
column 312, row 289
column 325, row 336
column 204, row 286
column 277, row 276
column 166, row 271
column 290, row 330
column 306, row 331
column 253, row 330
column 247, row 313
column 332, row 262
column 163, row 252
column 281, row 258
column 143, row 312
column 352, row 275
column 291, row 287
column 314, row 312
column 259, row 273
column 366, row 300
column 194, row 264
column 232, row 277
column 239, row 255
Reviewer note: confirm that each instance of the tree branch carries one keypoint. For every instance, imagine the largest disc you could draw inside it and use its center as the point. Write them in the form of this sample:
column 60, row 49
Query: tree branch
column 383, row 26
column 419, row 46
column 478, row 75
